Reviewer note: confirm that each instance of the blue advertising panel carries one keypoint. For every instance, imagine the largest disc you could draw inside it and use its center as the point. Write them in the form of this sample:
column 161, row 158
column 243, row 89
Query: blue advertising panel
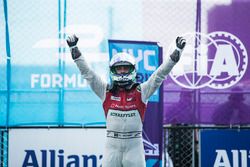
column 227, row 148
column 148, row 56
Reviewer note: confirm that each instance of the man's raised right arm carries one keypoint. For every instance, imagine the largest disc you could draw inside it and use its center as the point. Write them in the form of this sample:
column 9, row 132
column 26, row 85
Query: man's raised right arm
column 95, row 81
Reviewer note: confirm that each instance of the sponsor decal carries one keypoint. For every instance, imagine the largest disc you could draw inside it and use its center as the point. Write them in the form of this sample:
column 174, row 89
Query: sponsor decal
column 58, row 158
column 130, row 99
column 232, row 158
column 57, row 81
column 115, row 98
column 224, row 148
column 115, row 114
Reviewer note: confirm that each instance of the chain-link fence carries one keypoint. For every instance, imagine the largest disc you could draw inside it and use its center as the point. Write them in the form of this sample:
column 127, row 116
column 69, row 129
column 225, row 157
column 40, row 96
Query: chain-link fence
column 183, row 108
column 3, row 148
column 182, row 143
column 180, row 147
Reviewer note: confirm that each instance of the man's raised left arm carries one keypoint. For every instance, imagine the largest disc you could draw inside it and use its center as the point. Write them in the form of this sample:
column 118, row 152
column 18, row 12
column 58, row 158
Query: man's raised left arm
column 156, row 79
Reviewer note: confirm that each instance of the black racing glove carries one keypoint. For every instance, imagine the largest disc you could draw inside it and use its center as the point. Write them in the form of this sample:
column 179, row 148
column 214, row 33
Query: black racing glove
column 72, row 42
column 180, row 44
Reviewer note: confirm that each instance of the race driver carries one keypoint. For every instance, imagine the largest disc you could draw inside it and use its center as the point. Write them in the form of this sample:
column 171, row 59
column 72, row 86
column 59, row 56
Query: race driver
column 124, row 102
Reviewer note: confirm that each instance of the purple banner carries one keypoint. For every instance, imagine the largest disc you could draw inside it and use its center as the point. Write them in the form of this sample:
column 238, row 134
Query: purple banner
column 152, row 126
column 210, row 85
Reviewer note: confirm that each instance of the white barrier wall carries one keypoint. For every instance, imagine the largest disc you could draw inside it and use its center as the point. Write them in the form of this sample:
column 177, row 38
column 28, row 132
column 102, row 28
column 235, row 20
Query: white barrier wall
column 56, row 147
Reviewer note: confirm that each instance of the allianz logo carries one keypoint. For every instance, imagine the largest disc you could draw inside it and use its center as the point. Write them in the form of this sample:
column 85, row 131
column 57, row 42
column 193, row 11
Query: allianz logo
column 233, row 158
column 58, row 158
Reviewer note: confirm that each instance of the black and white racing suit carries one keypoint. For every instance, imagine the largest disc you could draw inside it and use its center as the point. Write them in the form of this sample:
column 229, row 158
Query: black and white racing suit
column 124, row 114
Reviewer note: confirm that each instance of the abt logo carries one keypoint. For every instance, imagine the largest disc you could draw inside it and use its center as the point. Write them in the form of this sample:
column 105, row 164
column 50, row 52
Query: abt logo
column 235, row 158
column 217, row 60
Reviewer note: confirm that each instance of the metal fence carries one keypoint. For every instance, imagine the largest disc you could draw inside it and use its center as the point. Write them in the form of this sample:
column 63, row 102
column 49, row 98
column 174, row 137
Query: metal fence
column 181, row 144
column 4, row 148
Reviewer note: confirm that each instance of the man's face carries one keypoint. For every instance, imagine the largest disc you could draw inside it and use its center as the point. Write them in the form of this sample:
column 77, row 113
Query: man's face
column 123, row 69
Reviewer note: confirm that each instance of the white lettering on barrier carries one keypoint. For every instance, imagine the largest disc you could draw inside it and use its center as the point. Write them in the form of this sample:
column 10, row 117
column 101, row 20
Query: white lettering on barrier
column 238, row 157
column 71, row 80
column 138, row 58
column 218, row 61
column 57, row 81
column 147, row 66
column 64, row 147
column 34, row 79
column 59, row 158
column 142, row 55
column 224, row 61
column 151, row 149
column 45, row 80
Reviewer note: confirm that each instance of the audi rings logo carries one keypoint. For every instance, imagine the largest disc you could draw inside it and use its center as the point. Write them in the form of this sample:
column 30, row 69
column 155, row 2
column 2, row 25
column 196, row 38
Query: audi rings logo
column 217, row 60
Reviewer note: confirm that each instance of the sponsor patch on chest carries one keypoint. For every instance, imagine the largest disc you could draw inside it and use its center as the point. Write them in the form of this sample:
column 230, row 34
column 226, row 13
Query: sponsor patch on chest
column 123, row 107
column 115, row 114
column 130, row 99
column 115, row 98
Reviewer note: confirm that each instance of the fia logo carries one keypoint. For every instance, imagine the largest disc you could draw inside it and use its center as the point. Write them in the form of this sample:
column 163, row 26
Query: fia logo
column 217, row 60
